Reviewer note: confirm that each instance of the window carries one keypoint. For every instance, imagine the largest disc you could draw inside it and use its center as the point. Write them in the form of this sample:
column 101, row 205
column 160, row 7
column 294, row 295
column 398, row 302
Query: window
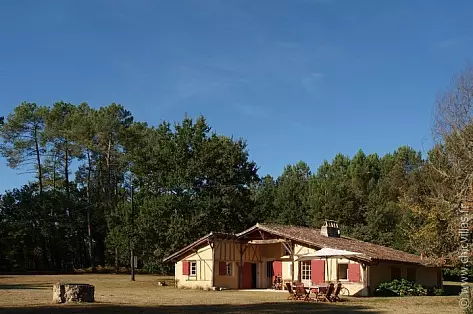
column 193, row 268
column 269, row 270
column 306, row 270
column 395, row 273
column 229, row 269
column 411, row 274
column 342, row 271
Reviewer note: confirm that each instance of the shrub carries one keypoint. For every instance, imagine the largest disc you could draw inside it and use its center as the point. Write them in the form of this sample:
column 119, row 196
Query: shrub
column 435, row 291
column 438, row 291
column 401, row 288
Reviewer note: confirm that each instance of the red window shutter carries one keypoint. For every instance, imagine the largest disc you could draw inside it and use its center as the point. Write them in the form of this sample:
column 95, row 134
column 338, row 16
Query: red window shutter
column 317, row 269
column 354, row 273
column 185, row 267
column 277, row 268
column 222, row 268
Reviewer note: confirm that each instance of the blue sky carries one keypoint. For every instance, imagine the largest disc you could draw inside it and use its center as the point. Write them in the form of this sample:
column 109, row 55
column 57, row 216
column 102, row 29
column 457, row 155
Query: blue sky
column 299, row 79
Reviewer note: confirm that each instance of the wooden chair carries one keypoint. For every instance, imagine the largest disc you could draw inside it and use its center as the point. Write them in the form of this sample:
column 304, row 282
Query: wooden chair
column 292, row 295
column 301, row 293
column 277, row 283
column 336, row 295
column 326, row 297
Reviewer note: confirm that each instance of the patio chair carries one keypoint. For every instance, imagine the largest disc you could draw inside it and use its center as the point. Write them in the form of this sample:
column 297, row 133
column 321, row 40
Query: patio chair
column 301, row 293
column 336, row 295
column 326, row 297
column 292, row 295
column 277, row 283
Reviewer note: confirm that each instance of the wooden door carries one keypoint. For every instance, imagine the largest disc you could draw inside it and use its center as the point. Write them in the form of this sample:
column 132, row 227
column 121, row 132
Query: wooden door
column 247, row 275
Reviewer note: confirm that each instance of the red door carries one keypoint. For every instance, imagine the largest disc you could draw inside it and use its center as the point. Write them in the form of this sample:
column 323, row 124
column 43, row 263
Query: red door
column 247, row 276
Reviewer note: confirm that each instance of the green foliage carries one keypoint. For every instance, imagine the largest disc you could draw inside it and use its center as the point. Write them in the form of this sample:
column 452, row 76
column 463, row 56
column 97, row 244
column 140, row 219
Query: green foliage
column 291, row 195
column 23, row 135
column 456, row 273
column 438, row 291
column 189, row 181
column 401, row 288
column 36, row 232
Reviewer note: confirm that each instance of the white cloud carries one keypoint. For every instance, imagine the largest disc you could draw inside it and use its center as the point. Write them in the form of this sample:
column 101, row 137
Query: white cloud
column 451, row 42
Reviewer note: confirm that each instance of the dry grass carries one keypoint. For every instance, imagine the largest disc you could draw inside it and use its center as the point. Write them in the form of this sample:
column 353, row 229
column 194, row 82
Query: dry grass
column 117, row 294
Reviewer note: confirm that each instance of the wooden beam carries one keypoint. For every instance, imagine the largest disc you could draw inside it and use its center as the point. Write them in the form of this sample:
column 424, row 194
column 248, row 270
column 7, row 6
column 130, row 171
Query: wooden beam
column 212, row 283
column 261, row 234
column 292, row 259
column 299, row 273
column 211, row 243
column 240, row 265
column 289, row 247
column 240, row 268
column 268, row 241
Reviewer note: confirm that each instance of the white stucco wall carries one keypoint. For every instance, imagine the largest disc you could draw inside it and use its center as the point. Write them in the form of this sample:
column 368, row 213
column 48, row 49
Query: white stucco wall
column 203, row 278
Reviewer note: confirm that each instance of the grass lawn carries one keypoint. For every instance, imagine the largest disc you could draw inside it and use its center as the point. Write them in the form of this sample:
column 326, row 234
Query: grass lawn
column 117, row 294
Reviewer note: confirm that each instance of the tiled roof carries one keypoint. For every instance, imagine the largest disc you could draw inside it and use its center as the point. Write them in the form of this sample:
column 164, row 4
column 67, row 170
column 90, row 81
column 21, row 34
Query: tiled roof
column 313, row 237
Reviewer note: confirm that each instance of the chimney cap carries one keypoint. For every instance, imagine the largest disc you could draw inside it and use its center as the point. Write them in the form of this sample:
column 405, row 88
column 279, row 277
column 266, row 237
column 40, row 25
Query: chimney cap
column 331, row 223
column 330, row 229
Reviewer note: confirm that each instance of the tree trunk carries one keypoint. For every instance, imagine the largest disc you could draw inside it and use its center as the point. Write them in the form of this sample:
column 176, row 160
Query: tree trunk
column 115, row 185
column 45, row 255
column 109, row 194
column 54, row 169
column 38, row 160
column 89, row 226
column 66, row 171
column 116, row 259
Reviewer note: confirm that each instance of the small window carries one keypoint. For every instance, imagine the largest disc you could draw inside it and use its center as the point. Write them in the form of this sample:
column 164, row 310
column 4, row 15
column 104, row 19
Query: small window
column 411, row 274
column 306, row 270
column 229, row 269
column 395, row 273
column 269, row 270
column 342, row 271
column 193, row 268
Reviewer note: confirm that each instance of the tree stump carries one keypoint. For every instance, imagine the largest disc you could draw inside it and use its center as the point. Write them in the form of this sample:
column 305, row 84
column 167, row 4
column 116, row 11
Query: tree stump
column 73, row 292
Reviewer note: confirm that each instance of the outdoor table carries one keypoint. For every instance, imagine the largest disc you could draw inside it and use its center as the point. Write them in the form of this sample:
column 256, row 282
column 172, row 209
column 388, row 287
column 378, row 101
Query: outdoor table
column 313, row 289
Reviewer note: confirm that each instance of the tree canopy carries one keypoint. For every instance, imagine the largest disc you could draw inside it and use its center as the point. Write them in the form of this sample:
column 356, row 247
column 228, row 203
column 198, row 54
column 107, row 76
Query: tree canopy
column 188, row 181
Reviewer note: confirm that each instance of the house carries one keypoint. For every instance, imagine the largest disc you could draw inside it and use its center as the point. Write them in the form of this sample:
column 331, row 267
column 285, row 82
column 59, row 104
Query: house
column 251, row 259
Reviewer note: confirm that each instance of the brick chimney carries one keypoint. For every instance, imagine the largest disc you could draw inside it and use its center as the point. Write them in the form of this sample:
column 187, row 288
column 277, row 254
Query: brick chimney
column 330, row 229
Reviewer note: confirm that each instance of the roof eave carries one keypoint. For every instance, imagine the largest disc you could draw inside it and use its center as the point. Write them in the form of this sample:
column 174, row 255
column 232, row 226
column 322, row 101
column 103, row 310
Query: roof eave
column 174, row 257
column 205, row 239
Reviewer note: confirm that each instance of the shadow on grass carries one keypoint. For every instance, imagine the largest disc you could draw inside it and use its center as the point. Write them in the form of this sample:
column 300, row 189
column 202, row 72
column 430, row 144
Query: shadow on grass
column 24, row 286
column 267, row 308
